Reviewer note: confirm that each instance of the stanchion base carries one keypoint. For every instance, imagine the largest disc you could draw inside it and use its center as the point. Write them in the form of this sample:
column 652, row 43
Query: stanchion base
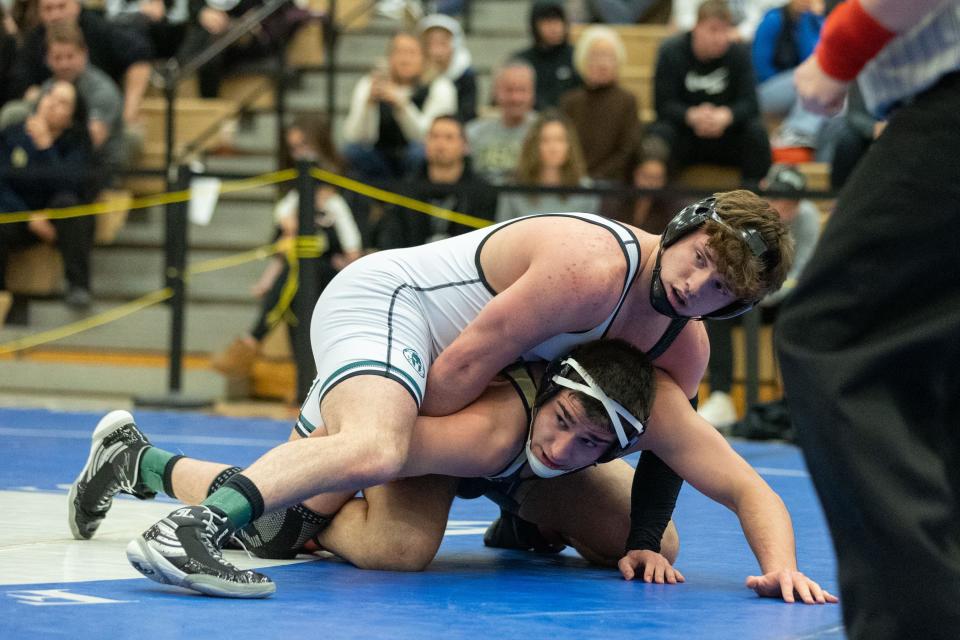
column 173, row 400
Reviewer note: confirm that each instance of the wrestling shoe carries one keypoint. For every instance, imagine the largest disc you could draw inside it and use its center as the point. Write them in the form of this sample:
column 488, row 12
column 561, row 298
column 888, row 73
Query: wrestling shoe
column 112, row 466
column 510, row 531
column 183, row 550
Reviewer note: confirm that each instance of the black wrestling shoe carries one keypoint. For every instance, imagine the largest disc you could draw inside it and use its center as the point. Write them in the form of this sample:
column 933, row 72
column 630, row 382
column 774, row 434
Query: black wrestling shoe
column 183, row 550
column 112, row 466
column 510, row 531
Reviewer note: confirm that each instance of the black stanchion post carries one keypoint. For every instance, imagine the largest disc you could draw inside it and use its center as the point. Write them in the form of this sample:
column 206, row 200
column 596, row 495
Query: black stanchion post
column 171, row 75
column 309, row 288
column 176, row 264
column 175, row 267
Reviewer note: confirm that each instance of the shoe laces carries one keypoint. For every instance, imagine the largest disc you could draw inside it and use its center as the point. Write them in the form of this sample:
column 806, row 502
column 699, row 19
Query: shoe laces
column 213, row 524
column 239, row 541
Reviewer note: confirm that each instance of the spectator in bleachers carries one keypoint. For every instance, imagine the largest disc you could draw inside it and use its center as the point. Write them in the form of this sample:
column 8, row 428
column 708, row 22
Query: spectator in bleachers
column 629, row 11
column 447, row 55
column 551, row 157
column 706, row 100
column 745, row 15
column 445, row 180
column 551, row 54
column 68, row 60
column 8, row 54
column 786, row 37
column 212, row 18
column 45, row 163
column 308, row 138
column 162, row 23
column 802, row 218
column 391, row 110
column 606, row 140
column 651, row 212
column 118, row 52
column 495, row 140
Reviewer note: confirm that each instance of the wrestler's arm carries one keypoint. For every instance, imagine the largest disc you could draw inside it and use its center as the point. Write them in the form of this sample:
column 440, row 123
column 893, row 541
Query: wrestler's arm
column 556, row 293
column 479, row 440
column 702, row 457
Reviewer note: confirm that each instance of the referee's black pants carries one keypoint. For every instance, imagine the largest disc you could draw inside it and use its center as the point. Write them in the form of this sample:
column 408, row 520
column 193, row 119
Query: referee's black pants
column 870, row 351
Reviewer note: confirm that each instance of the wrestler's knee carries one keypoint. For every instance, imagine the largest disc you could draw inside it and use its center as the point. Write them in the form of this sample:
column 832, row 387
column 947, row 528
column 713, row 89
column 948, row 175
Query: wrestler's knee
column 408, row 549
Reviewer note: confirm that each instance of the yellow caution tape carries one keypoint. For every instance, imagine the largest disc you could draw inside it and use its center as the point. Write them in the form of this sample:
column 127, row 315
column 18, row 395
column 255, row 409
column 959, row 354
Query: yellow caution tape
column 399, row 200
column 92, row 322
column 125, row 204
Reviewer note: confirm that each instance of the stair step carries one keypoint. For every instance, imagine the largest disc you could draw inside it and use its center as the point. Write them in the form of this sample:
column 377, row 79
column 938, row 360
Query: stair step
column 208, row 327
column 132, row 272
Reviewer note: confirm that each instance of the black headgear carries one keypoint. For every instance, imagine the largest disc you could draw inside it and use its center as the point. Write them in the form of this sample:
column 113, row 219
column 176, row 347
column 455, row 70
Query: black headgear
column 686, row 222
column 561, row 368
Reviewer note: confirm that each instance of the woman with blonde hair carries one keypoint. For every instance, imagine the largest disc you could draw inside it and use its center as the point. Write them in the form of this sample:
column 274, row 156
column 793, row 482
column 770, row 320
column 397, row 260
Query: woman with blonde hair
column 550, row 157
column 607, row 142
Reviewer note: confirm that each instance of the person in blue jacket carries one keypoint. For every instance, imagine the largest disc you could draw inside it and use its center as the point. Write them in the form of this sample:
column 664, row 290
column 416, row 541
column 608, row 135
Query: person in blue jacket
column 785, row 37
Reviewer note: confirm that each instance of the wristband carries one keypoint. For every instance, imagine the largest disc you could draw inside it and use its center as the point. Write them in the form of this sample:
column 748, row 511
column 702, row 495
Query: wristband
column 851, row 37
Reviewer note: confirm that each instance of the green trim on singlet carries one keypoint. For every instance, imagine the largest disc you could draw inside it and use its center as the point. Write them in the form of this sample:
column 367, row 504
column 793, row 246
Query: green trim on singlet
column 306, row 423
column 389, row 368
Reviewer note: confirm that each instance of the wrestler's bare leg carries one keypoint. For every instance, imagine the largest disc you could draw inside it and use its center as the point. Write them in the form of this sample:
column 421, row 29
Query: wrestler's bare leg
column 396, row 527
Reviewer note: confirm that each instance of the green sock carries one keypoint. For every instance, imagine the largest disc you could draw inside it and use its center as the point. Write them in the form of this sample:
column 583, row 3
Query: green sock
column 152, row 466
column 233, row 503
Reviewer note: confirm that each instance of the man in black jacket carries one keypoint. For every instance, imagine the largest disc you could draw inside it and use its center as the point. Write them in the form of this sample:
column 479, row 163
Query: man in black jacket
column 706, row 99
column 446, row 180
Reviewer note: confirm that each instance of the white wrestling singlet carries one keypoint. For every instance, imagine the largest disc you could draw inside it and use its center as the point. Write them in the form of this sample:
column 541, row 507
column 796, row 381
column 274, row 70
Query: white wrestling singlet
column 391, row 313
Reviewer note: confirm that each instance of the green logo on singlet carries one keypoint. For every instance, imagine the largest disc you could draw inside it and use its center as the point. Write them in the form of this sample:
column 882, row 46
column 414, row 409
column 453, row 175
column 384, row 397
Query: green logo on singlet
column 415, row 361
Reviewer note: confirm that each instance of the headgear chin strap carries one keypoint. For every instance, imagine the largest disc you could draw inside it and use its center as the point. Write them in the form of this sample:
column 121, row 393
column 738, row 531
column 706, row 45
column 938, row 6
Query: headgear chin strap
column 658, row 293
column 686, row 222
column 542, row 470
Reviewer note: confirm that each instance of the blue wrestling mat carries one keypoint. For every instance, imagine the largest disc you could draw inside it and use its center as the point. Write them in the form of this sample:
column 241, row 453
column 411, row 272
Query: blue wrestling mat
column 53, row 586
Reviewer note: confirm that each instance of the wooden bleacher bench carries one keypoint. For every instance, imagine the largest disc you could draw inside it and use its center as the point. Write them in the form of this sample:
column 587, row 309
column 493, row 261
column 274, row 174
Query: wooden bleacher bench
column 640, row 40
column 194, row 117
column 709, row 177
column 274, row 374
column 35, row 271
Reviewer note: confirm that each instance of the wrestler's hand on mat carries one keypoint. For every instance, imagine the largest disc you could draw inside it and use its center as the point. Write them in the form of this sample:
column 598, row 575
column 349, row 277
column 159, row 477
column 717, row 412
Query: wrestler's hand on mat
column 786, row 584
column 649, row 566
